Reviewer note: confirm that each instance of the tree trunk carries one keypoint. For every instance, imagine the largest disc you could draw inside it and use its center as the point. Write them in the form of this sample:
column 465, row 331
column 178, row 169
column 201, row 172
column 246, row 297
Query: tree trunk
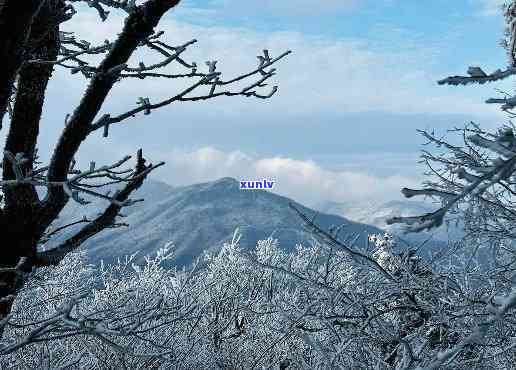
column 13, row 269
column 20, row 228
column 16, row 18
column 25, row 218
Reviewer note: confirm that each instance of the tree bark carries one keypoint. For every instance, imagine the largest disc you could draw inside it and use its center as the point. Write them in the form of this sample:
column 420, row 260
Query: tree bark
column 25, row 218
column 25, row 32
column 21, row 201
column 137, row 27
column 16, row 18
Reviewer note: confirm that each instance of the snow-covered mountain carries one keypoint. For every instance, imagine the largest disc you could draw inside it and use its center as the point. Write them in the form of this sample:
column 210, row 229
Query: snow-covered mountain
column 376, row 214
column 200, row 218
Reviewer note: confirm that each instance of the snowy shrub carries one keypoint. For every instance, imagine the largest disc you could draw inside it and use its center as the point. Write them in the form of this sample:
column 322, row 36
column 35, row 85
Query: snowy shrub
column 312, row 308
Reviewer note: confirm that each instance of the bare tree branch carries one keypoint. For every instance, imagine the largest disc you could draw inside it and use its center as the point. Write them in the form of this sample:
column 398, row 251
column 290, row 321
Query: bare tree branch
column 138, row 26
column 105, row 220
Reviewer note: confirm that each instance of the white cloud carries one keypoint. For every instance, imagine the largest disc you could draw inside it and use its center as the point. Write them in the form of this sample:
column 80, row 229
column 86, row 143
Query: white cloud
column 491, row 7
column 285, row 7
column 322, row 75
column 303, row 180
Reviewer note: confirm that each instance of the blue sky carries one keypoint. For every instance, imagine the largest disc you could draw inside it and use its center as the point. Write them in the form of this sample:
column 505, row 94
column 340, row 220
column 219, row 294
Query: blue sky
column 384, row 24
column 361, row 80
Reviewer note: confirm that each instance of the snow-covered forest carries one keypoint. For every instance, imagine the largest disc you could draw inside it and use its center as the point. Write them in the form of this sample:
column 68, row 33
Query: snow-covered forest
column 317, row 307
column 335, row 300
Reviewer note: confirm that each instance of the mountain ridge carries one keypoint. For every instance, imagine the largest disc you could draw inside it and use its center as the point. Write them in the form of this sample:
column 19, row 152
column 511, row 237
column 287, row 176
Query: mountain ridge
column 200, row 217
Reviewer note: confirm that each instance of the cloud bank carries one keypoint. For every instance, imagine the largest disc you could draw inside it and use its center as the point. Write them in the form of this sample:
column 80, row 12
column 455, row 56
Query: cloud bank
column 303, row 180
column 492, row 7
column 323, row 74
column 285, row 7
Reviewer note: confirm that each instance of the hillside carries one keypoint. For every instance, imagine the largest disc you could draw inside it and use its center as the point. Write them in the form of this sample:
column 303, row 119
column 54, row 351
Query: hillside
column 200, row 218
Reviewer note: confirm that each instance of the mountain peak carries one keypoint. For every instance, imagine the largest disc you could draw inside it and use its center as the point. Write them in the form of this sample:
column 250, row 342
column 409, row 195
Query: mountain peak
column 225, row 184
column 201, row 217
column 226, row 180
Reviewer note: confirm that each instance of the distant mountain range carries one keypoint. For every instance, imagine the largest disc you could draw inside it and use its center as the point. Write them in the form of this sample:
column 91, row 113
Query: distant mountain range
column 376, row 214
column 200, row 218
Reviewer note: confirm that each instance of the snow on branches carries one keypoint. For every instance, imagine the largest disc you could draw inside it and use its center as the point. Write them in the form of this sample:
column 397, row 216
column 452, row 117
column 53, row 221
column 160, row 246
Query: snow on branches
column 477, row 74
column 313, row 307
column 103, row 65
column 482, row 169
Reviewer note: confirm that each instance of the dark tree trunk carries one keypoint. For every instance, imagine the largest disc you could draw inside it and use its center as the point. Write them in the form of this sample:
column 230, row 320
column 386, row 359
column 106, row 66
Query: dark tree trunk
column 12, row 269
column 35, row 37
column 21, row 201
column 29, row 28
column 16, row 18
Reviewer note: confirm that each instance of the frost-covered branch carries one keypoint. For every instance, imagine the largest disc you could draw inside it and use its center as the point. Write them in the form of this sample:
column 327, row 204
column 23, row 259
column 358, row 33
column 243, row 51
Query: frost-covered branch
column 211, row 79
column 309, row 306
column 468, row 174
column 104, row 220
column 477, row 75
column 80, row 182
column 505, row 305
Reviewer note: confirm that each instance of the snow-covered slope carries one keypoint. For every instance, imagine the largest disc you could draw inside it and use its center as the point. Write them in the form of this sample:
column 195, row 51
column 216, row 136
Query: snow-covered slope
column 201, row 217
column 376, row 214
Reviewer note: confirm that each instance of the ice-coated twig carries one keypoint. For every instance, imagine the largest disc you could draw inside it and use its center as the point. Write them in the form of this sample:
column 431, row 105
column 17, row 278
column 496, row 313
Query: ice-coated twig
column 495, row 171
column 212, row 78
column 477, row 335
column 477, row 75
